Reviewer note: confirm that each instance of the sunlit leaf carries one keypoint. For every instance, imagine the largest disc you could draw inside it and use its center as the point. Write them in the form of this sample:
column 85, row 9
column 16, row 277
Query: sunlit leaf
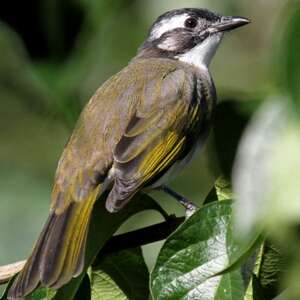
column 104, row 288
column 191, row 261
column 267, row 172
column 272, row 269
column 266, row 180
column 268, row 273
column 220, row 191
column 121, row 275
column 252, row 170
column 223, row 189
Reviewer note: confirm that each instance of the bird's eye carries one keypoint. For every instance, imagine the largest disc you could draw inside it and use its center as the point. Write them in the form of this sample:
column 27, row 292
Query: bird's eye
column 191, row 23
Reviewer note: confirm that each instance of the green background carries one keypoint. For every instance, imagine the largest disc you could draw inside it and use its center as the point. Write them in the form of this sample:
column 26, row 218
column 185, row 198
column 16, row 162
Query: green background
column 86, row 41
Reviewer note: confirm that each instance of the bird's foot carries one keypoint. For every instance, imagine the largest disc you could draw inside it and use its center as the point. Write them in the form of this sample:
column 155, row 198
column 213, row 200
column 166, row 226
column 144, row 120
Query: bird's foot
column 190, row 207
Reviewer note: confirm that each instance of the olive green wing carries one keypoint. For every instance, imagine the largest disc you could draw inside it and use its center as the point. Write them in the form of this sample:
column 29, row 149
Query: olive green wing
column 155, row 138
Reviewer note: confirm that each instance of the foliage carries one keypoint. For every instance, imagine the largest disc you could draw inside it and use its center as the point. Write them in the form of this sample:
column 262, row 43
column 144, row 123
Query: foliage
column 243, row 242
column 126, row 268
column 190, row 263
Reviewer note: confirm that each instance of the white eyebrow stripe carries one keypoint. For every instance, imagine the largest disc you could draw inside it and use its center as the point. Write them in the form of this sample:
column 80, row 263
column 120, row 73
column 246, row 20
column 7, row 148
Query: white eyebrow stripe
column 167, row 25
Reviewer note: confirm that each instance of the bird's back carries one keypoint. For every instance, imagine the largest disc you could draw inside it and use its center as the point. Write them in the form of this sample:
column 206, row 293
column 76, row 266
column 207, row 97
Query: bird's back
column 134, row 90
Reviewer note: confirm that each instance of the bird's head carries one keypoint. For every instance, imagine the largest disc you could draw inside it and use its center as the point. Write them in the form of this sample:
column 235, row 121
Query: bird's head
column 189, row 34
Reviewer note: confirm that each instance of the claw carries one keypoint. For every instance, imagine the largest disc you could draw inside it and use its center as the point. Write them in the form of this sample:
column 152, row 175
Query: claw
column 190, row 207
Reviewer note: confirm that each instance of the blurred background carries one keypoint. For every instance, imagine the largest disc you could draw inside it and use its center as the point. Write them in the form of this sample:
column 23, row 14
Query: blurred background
column 53, row 56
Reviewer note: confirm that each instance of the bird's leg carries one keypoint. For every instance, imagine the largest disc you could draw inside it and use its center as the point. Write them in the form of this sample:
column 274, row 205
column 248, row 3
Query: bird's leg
column 190, row 207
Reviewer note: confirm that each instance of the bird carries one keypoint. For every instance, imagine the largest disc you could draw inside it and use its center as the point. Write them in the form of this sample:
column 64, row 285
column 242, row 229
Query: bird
column 142, row 126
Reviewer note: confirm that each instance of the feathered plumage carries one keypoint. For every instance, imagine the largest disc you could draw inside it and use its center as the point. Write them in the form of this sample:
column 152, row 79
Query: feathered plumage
column 122, row 142
column 136, row 130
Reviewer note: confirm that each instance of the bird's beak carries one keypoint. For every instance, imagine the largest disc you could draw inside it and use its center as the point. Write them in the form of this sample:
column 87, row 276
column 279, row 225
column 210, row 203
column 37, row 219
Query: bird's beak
column 229, row 23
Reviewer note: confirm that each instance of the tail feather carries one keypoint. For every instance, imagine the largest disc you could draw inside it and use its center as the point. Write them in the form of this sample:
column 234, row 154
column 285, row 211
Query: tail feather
column 28, row 278
column 80, row 262
column 69, row 255
column 55, row 247
column 59, row 252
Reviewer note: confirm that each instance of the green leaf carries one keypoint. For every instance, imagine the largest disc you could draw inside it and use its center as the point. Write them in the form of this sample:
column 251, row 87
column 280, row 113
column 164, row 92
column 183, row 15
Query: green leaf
column 123, row 273
column 252, row 170
column 223, row 189
column 220, row 191
column 266, row 174
column 273, row 267
column 42, row 294
column 104, row 288
column 192, row 259
column 258, row 293
column 103, row 226
column 266, row 180
column 268, row 273
column 39, row 294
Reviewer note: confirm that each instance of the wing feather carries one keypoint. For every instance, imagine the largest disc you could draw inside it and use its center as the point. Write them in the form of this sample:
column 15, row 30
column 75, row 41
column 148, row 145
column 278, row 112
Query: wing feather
column 152, row 144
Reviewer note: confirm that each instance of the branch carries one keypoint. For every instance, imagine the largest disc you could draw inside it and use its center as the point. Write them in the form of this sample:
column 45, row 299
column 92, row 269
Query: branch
column 140, row 237
column 117, row 243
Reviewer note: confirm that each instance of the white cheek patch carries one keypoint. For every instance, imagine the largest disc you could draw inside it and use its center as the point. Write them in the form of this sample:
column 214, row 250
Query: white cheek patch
column 201, row 55
column 167, row 25
column 169, row 44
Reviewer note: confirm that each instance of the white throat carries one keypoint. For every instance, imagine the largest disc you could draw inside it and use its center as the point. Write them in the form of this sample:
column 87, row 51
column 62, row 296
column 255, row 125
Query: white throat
column 202, row 54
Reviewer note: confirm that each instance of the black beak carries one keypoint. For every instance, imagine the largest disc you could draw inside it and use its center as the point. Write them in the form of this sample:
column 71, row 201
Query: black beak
column 229, row 23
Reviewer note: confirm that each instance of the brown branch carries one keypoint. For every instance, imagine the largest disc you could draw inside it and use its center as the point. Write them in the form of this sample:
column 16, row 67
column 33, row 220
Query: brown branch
column 117, row 243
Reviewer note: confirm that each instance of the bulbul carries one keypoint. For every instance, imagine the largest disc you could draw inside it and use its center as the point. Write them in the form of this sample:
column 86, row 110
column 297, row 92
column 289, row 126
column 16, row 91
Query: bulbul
column 141, row 125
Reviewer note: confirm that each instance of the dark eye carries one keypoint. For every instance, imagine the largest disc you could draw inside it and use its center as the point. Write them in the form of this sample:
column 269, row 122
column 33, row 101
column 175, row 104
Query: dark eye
column 191, row 23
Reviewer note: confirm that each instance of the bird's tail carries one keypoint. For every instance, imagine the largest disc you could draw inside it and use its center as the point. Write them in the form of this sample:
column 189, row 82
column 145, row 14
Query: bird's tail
column 58, row 255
